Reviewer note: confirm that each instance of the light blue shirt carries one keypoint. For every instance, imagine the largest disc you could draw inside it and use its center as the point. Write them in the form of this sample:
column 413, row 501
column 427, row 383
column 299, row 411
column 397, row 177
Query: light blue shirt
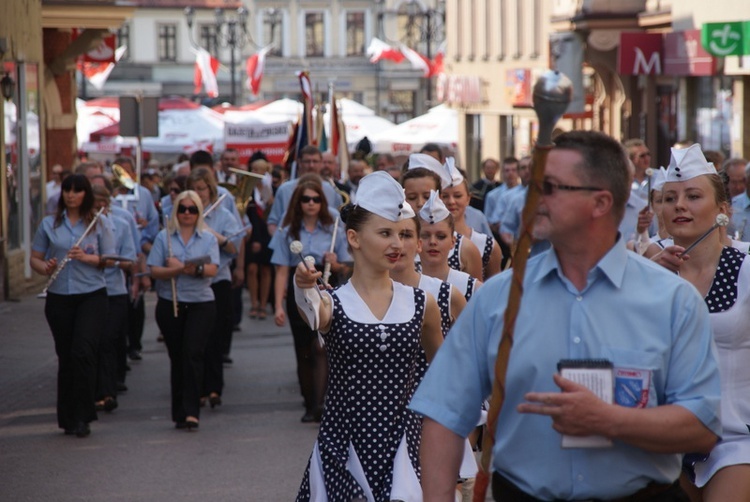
column 476, row 220
column 284, row 196
column 632, row 312
column 226, row 224
column 629, row 223
column 189, row 289
column 511, row 223
column 491, row 198
column 143, row 208
column 501, row 205
column 125, row 247
column 166, row 206
column 741, row 217
column 55, row 242
column 315, row 244
column 129, row 219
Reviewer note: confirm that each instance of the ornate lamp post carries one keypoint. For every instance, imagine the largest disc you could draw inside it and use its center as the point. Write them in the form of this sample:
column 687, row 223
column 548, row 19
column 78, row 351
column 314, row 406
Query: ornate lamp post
column 231, row 32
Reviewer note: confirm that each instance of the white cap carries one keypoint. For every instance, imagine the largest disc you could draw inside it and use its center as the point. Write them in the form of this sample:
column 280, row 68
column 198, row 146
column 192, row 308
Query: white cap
column 432, row 164
column 658, row 179
column 687, row 163
column 434, row 210
column 380, row 193
column 453, row 172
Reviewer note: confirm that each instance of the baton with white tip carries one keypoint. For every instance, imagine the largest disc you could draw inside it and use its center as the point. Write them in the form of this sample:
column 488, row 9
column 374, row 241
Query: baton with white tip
column 722, row 220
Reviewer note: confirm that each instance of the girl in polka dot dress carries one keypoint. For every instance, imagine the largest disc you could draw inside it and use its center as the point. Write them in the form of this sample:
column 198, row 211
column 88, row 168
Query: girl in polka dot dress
column 373, row 328
column 693, row 196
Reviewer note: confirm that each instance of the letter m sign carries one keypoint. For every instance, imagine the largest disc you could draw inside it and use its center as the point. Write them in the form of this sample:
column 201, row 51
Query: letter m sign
column 640, row 54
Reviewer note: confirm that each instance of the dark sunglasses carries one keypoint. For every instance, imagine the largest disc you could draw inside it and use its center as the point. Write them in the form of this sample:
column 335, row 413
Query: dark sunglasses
column 306, row 198
column 187, row 209
column 548, row 188
column 174, row 190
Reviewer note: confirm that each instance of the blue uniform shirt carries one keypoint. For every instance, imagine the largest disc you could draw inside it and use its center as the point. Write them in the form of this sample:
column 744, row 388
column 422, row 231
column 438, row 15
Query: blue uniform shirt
column 315, row 244
column 143, row 208
column 741, row 216
column 189, row 289
column 511, row 222
column 501, row 205
column 651, row 324
column 55, row 242
column 125, row 215
column 125, row 247
column 284, row 196
column 491, row 198
column 476, row 220
column 224, row 223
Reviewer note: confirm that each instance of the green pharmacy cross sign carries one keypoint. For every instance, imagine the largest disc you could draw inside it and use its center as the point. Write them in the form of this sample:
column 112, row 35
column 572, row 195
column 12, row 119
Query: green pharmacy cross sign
column 726, row 39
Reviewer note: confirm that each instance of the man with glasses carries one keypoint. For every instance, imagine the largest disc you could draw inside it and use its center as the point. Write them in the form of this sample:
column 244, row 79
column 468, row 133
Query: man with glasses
column 590, row 301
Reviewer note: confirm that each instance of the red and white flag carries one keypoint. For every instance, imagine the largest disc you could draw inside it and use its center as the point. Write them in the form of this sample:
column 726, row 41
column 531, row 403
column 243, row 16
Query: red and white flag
column 438, row 66
column 379, row 50
column 206, row 67
column 98, row 73
column 254, row 68
column 418, row 61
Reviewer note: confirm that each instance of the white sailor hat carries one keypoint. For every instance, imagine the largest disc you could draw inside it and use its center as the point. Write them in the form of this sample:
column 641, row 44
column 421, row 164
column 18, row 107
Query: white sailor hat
column 380, row 193
column 658, row 178
column 450, row 166
column 434, row 210
column 432, row 164
column 687, row 163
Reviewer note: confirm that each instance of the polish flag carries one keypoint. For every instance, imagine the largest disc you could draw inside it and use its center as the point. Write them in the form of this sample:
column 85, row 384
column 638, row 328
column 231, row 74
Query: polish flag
column 418, row 61
column 437, row 63
column 379, row 50
column 254, row 68
column 98, row 73
column 206, row 67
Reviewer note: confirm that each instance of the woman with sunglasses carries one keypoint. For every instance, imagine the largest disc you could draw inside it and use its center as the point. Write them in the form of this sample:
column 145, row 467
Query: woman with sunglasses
column 192, row 263
column 374, row 329
column 76, row 303
column 307, row 220
column 228, row 232
column 173, row 185
column 693, row 196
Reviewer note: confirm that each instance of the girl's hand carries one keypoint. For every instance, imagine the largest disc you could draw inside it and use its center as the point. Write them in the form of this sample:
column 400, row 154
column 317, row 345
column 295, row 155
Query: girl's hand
column 50, row 266
column 76, row 253
column 305, row 278
column 670, row 258
column 173, row 262
column 332, row 259
column 279, row 317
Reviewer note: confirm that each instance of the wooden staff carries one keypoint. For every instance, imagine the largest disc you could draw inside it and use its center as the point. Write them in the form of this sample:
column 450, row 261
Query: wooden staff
column 172, row 280
column 327, row 267
column 552, row 93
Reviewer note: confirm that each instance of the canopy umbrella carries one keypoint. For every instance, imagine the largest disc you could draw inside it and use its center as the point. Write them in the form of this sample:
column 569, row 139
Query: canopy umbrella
column 439, row 125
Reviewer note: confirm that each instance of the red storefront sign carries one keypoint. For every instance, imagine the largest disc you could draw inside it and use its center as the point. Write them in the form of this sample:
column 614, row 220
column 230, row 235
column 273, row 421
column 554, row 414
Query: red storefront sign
column 518, row 88
column 684, row 56
column 640, row 54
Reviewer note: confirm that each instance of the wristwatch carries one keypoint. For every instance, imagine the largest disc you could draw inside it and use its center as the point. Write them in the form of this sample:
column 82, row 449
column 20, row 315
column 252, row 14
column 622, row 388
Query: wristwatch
column 199, row 271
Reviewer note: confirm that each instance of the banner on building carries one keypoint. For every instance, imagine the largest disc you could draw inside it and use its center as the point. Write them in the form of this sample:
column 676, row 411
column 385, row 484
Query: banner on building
column 640, row 54
column 731, row 38
column 249, row 138
column 684, row 56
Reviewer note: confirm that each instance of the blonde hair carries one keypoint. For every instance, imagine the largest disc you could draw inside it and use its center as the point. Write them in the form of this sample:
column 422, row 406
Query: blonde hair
column 173, row 224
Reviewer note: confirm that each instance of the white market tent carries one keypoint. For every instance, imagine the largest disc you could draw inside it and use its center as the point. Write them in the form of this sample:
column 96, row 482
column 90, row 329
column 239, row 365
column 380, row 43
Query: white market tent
column 439, row 125
column 359, row 122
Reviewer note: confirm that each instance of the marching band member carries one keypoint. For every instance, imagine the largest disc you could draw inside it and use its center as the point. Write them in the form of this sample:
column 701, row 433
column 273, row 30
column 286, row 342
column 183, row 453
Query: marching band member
column 693, row 196
column 228, row 232
column 373, row 328
column 307, row 220
column 187, row 319
column 76, row 303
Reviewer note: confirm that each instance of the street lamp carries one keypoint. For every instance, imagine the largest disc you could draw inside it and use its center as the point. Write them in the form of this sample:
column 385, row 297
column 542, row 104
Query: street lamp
column 231, row 32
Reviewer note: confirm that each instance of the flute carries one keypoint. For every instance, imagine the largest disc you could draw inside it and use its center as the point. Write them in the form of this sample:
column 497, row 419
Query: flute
column 214, row 205
column 67, row 258
column 172, row 280
column 327, row 267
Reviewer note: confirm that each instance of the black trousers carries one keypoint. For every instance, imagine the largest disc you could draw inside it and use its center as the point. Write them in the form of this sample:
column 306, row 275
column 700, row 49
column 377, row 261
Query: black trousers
column 114, row 335
column 77, row 323
column 214, row 361
column 186, row 337
column 137, row 316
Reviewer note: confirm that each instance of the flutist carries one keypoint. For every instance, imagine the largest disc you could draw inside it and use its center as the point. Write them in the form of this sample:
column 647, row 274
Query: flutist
column 195, row 262
column 76, row 303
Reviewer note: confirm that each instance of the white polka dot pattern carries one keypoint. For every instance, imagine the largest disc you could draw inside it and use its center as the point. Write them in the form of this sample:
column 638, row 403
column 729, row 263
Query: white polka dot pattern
column 723, row 292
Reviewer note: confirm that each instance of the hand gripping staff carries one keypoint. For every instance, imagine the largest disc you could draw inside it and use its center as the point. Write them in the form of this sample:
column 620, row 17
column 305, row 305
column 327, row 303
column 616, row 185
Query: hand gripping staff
column 65, row 260
column 552, row 94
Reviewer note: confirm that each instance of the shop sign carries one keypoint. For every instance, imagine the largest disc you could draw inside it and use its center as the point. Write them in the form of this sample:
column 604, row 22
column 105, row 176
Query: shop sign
column 640, row 54
column 726, row 39
column 518, row 88
column 462, row 90
column 685, row 56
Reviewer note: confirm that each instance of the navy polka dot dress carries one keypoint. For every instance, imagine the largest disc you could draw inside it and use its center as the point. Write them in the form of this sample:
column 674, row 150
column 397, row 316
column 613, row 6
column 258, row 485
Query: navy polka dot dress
column 454, row 257
column 371, row 379
column 723, row 292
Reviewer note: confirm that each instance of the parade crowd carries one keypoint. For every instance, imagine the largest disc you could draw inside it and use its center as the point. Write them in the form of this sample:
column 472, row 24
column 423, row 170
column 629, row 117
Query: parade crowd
column 394, row 279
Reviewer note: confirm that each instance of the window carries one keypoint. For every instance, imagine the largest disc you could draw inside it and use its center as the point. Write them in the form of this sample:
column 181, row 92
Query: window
column 355, row 33
column 167, row 42
column 123, row 39
column 314, row 34
column 273, row 29
column 208, row 39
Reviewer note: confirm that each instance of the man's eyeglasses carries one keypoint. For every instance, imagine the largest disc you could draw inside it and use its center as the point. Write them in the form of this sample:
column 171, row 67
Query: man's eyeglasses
column 306, row 198
column 187, row 209
column 548, row 188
